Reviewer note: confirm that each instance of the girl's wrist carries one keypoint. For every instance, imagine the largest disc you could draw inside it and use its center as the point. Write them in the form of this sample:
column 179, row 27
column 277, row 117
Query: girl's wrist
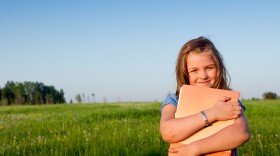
column 194, row 149
column 210, row 115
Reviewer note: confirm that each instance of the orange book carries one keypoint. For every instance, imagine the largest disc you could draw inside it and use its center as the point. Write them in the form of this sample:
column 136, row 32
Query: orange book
column 192, row 100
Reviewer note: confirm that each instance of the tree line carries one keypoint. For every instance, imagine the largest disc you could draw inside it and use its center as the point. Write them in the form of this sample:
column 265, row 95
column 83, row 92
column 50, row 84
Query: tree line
column 30, row 93
column 270, row 95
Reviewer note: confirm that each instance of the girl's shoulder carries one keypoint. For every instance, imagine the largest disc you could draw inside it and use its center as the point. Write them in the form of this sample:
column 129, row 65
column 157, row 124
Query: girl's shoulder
column 170, row 99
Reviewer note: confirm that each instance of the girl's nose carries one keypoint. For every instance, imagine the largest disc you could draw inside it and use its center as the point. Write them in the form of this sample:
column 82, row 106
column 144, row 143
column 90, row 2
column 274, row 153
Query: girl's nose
column 203, row 74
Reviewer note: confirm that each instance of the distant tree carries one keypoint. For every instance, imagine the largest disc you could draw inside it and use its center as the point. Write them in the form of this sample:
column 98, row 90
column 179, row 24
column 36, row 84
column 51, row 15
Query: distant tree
column 78, row 98
column 71, row 101
column 19, row 93
column 8, row 93
column 270, row 95
column 29, row 90
column 30, row 93
column 0, row 94
column 254, row 98
column 83, row 98
column 39, row 93
column 93, row 97
column 61, row 98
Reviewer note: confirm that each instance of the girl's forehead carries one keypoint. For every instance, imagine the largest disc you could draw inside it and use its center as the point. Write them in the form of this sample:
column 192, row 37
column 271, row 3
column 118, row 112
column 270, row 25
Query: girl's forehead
column 204, row 54
column 205, row 58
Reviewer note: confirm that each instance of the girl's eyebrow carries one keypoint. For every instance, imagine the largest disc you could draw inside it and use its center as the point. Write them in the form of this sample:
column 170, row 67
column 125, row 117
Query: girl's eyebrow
column 212, row 64
column 206, row 66
column 192, row 68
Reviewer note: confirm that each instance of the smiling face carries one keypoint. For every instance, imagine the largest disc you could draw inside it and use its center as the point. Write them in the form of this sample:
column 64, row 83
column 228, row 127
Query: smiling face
column 202, row 69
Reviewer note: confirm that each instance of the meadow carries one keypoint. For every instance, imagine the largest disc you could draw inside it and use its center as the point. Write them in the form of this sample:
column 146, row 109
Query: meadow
column 115, row 129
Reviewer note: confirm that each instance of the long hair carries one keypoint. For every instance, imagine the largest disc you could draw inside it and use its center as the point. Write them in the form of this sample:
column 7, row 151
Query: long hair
column 199, row 45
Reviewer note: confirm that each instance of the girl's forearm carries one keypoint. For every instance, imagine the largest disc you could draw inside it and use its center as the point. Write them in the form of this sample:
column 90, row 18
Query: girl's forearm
column 175, row 130
column 228, row 138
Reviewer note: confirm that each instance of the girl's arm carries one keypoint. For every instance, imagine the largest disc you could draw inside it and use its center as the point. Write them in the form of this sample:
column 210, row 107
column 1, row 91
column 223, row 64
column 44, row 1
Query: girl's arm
column 226, row 139
column 175, row 130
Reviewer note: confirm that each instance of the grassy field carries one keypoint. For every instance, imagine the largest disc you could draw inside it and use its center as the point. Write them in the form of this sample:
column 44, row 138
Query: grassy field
column 114, row 129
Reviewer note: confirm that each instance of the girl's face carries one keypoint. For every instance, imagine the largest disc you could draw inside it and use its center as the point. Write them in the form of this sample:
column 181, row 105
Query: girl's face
column 202, row 69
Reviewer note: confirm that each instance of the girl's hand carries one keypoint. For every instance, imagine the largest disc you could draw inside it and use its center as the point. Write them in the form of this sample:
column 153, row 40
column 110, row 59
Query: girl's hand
column 224, row 110
column 184, row 150
column 172, row 151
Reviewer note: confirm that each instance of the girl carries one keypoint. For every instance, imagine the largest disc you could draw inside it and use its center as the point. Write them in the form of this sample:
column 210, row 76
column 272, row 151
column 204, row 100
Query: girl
column 199, row 63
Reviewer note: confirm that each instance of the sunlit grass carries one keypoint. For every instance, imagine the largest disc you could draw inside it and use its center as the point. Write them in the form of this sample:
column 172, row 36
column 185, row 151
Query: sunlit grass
column 81, row 129
column 114, row 129
column 263, row 118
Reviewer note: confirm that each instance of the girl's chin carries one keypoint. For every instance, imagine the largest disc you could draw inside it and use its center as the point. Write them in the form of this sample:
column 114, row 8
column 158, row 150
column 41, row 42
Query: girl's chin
column 204, row 85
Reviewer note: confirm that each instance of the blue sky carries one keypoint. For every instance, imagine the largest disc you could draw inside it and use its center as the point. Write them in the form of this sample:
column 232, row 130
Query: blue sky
column 126, row 50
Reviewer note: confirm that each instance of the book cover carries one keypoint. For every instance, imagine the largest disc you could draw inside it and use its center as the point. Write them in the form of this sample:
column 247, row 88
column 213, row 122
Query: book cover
column 192, row 100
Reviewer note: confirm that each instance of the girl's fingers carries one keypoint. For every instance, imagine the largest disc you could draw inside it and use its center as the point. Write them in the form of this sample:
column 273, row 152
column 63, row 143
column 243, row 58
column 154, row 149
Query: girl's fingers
column 236, row 113
column 237, row 107
column 224, row 99
column 172, row 150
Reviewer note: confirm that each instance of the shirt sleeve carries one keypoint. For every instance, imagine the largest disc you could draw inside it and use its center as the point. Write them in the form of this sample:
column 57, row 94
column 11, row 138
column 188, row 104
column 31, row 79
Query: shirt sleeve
column 241, row 104
column 171, row 99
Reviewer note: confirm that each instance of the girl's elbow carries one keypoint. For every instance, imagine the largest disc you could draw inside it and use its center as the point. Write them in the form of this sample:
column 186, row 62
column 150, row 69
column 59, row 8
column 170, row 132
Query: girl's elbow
column 246, row 136
column 168, row 135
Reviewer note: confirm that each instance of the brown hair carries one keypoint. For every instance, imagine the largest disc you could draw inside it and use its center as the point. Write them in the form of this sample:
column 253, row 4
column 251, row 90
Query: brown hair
column 199, row 45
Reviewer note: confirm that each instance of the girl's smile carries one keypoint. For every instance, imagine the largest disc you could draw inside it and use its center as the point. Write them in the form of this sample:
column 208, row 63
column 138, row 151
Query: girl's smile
column 201, row 69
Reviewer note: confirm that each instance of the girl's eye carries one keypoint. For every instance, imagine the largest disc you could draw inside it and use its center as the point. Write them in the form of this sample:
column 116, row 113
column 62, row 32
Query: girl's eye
column 191, row 71
column 209, row 68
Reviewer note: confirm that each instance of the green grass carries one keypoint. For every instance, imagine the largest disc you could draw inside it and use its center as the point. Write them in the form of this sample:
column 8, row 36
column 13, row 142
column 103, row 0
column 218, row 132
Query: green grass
column 81, row 129
column 263, row 118
column 114, row 129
